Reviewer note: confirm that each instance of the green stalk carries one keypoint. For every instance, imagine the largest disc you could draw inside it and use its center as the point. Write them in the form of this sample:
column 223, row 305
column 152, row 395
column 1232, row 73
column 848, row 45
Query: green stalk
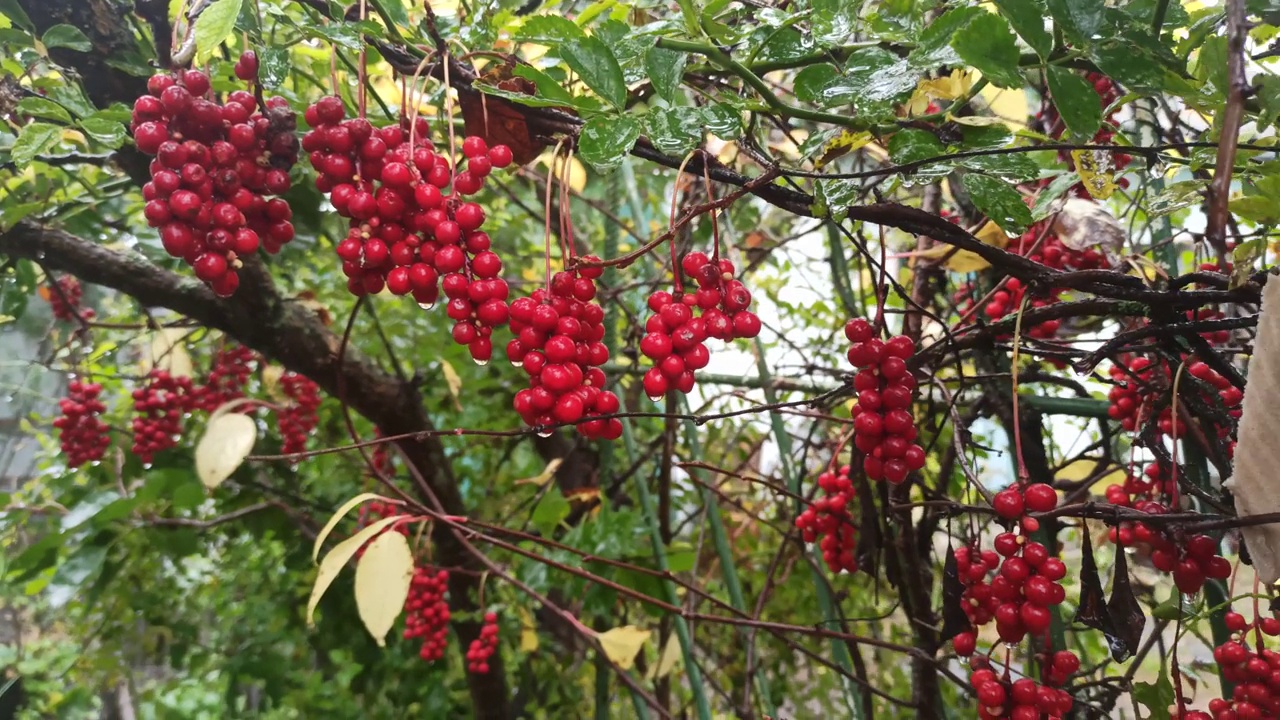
column 1080, row 407
column 840, row 271
column 853, row 693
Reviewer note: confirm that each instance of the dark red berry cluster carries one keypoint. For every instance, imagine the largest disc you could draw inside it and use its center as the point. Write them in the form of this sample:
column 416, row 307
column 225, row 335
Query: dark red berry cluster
column 64, row 300
column 676, row 333
column 159, row 405
column 1254, row 669
column 380, row 457
column 559, row 333
column 298, row 418
column 214, row 167
column 884, row 429
column 427, row 613
column 1141, row 385
column 81, row 431
column 829, row 522
column 232, row 366
column 1002, row 698
column 483, row 647
column 1216, row 337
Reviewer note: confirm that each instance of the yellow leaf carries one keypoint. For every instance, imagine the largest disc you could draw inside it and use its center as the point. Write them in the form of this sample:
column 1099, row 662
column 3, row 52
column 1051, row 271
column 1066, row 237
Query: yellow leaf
column 382, row 583
column 347, row 507
column 667, row 661
column 452, row 380
column 1078, row 470
column 226, row 442
column 991, row 234
column 166, row 352
column 622, row 644
column 844, row 143
column 543, row 477
column 1009, row 105
column 944, row 88
column 1094, row 168
column 271, row 375
column 528, row 632
column 577, row 172
column 962, row 261
column 338, row 559
column 1145, row 268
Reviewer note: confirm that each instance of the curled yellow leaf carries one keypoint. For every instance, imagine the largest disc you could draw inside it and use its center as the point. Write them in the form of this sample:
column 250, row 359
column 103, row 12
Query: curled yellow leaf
column 622, row 644
column 383, row 577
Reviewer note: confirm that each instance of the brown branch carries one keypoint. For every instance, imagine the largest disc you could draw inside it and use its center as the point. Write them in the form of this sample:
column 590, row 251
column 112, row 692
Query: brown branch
column 1232, row 116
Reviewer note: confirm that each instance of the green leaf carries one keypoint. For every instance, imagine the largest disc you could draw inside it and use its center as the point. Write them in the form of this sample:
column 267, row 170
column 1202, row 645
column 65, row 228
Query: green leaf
column 1027, row 19
column 1076, row 100
column 88, row 506
column 813, row 82
column 71, row 575
column 832, row 198
column 273, row 66
column 934, row 46
column 66, row 36
column 1047, row 196
column 606, row 140
column 550, row 512
column 548, row 30
column 998, row 201
column 1013, row 166
column 550, row 92
column 595, row 64
column 1132, row 68
column 1144, row 12
column 1269, row 97
column 108, row 132
column 834, row 21
column 723, row 120
column 983, row 137
column 11, row 215
column 1155, row 697
column 42, row 108
column 35, row 139
column 988, row 44
column 71, row 96
column 1079, row 19
column 911, row 145
column 215, row 25
column 675, row 131
column 666, row 71
column 14, row 12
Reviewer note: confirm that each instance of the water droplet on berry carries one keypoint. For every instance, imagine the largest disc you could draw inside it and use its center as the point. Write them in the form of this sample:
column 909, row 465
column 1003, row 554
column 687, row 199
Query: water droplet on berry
column 426, row 306
column 481, row 363
column 655, row 398
column 548, row 432
column 517, row 363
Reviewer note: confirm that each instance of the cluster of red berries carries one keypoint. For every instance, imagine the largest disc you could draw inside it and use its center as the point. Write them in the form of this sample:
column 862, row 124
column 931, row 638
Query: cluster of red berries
column 64, row 300
column 214, row 166
column 677, row 331
column 298, row 418
column 160, row 405
column 1009, row 298
column 1140, row 384
column 81, row 432
column 380, row 457
column 232, row 366
column 483, row 647
column 884, row 429
column 1002, row 698
column 1190, row 560
column 558, row 341
column 1254, row 671
column 1027, row 583
column 1217, row 337
column 829, row 522
column 427, row 613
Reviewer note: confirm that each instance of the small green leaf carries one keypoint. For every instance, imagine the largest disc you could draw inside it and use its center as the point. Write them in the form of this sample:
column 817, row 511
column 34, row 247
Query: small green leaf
column 107, row 132
column 273, row 66
column 934, row 46
column 813, row 83
column 88, row 507
column 1027, row 19
column 723, row 120
column 832, row 198
column 13, row 11
column 595, row 64
column 66, row 36
column 10, row 216
column 675, row 131
column 988, row 44
column 606, row 140
column 1269, row 97
column 1130, row 67
column 912, row 145
column 42, row 108
column 998, row 201
column 35, row 139
column 1076, row 100
column 550, row 92
column 1155, row 697
column 1045, row 199
column 1012, row 166
column 71, row 575
column 1079, row 19
column 547, row 30
column 666, row 71
column 550, row 512
column 215, row 25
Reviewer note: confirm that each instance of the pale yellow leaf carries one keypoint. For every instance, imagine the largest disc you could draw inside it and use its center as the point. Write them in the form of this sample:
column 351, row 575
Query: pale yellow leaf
column 962, row 261
column 383, row 576
column 347, row 507
column 667, row 660
column 166, row 352
column 622, row 644
column 1078, row 470
column 227, row 441
column 1145, row 268
column 338, row 558
column 453, row 381
column 577, row 171
column 991, row 234
column 543, row 477
column 528, row 632
column 1094, row 168
column 271, row 375
column 227, row 407
column 845, row 142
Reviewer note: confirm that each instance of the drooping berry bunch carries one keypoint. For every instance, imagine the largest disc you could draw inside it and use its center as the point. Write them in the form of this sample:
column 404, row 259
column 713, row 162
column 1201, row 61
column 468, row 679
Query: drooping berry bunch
column 1000, row 697
column 1028, row 582
column 483, row 647
column 298, row 418
column 1216, row 337
column 676, row 333
column 1141, row 390
column 81, row 431
column 1191, row 560
column 427, row 612
column 159, row 405
column 884, row 429
column 380, row 456
column 64, row 300
column 829, row 522
column 558, row 341
column 974, row 567
column 228, row 375
column 215, row 164
column 1253, row 668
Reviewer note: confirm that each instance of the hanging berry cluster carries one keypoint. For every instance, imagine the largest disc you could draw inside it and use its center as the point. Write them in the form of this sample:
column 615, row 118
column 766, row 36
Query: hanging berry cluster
column 1000, row 697
column 828, row 521
column 159, row 405
column 298, row 418
column 81, row 431
column 410, row 228
column 64, row 300
column 1189, row 559
column 214, row 167
column 676, row 333
column 483, row 647
column 1253, row 668
column 884, row 429
column 230, row 371
column 1140, row 390
column 559, row 333
column 427, row 612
